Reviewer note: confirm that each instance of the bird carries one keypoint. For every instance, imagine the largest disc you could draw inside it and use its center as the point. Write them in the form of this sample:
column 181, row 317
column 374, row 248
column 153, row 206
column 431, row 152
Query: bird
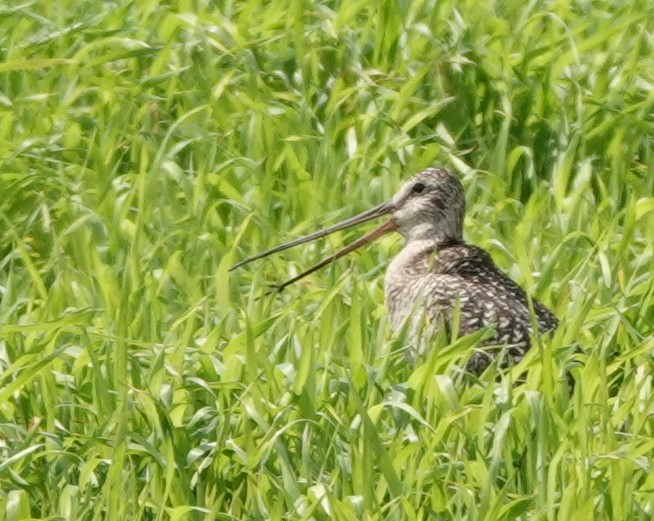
column 437, row 279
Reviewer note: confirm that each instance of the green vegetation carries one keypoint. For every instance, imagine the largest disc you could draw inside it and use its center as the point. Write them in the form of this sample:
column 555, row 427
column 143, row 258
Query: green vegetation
column 146, row 146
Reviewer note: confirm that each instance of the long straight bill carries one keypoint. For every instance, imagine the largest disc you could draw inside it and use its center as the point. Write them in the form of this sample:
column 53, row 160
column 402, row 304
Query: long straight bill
column 388, row 226
column 377, row 211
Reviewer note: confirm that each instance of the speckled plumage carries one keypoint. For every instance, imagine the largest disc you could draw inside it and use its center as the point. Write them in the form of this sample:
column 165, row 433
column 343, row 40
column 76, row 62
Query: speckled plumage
column 436, row 276
column 438, row 273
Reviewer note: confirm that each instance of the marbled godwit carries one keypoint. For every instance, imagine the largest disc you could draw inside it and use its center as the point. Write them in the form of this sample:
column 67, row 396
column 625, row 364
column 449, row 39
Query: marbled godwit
column 436, row 276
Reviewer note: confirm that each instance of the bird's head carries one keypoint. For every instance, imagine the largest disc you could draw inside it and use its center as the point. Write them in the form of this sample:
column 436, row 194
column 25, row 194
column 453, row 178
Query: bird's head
column 430, row 206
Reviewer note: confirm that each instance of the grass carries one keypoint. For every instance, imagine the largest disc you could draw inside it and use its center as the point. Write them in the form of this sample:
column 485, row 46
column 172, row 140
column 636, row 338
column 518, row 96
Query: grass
column 146, row 146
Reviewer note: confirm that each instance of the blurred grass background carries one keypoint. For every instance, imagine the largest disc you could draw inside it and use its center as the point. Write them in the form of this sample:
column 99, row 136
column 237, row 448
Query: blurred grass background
column 146, row 146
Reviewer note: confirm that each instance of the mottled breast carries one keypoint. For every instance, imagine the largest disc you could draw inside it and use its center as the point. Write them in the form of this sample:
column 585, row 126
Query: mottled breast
column 430, row 281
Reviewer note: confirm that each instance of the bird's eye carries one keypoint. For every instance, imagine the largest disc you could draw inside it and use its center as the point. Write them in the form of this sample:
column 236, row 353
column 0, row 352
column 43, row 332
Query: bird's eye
column 418, row 188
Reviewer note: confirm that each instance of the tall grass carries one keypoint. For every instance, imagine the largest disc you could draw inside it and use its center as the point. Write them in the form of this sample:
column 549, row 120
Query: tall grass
column 146, row 146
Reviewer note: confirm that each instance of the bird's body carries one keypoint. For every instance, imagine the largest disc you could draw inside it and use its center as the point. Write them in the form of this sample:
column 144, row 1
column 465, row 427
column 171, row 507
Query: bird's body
column 437, row 278
column 453, row 278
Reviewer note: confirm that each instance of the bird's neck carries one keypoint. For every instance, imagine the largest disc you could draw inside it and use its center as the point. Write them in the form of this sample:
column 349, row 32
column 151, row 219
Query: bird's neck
column 449, row 242
column 429, row 233
column 418, row 255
